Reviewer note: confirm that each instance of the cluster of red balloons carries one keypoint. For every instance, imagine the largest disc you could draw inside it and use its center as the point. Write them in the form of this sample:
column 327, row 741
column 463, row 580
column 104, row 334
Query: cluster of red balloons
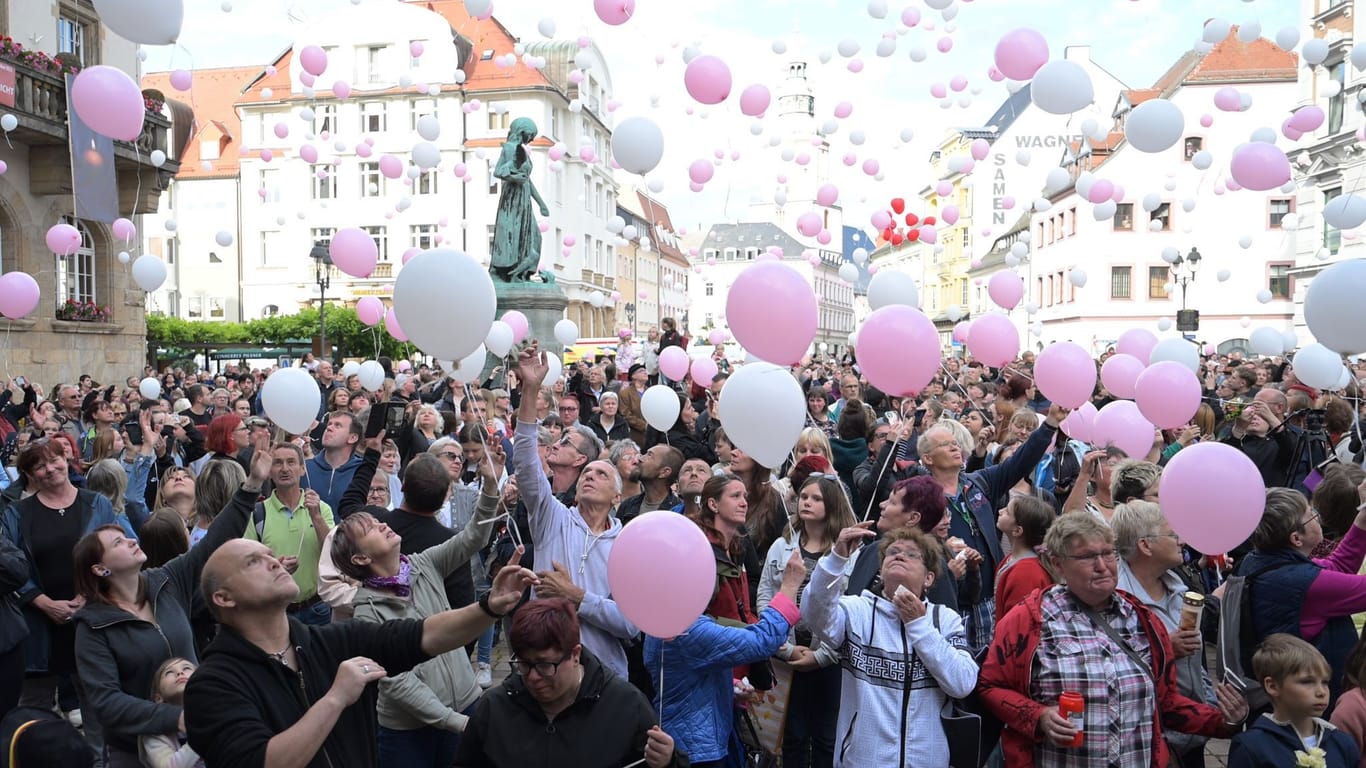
column 895, row 233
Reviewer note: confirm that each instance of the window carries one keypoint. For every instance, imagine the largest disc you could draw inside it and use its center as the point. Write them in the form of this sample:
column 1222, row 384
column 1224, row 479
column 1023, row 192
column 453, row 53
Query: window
column 371, row 180
column 1337, row 73
column 1119, row 283
column 172, row 250
column 710, row 289
column 273, row 249
column 1278, row 281
column 1193, row 144
column 324, row 183
column 1158, row 277
column 215, row 308
column 1278, row 208
column 208, row 150
column 196, row 308
column 963, row 292
column 555, row 126
column 368, row 63
column 270, row 184
column 751, row 254
column 78, row 32
column 1163, row 215
column 214, row 258
column 420, row 109
column 381, row 237
column 321, row 235
column 588, row 193
column 499, row 120
column 1124, row 217
column 1072, row 221
column 730, row 254
column 324, row 119
column 422, row 236
column 76, row 271
column 1332, row 236
column 426, row 183
column 493, row 180
column 372, row 116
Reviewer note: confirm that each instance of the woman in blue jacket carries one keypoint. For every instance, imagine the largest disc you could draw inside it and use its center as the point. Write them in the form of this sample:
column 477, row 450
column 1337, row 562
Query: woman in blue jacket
column 697, row 690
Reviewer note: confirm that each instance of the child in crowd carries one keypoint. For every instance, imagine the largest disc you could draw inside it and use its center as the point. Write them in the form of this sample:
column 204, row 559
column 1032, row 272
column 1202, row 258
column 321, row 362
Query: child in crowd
column 1295, row 677
column 169, row 750
column 1350, row 713
column 1024, row 522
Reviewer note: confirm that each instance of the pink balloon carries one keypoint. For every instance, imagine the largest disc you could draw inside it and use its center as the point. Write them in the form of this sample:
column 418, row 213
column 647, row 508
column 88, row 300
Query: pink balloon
column 410, row 253
column 1213, row 496
column 181, row 80
column 1206, row 120
column 1120, row 374
column 943, row 188
column 107, row 100
column 390, row 166
column 1065, row 374
column 703, row 370
column 754, row 100
column 843, row 109
column 1259, row 166
column 1307, row 119
column 614, row 12
column 1020, row 53
column 341, row 89
column 354, row 252
column 898, row 348
column 994, row 339
column 1081, row 422
column 19, row 294
column 307, row 79
column 827, row 195
column 871, row 166
column 938, row 90
column 638, row 582
column 1006, row 289
column 308, row 153
column 949, row 214
column 772, row 312
column 881, row 220
column 929, row 235
column 370, row 310
column 1137, row 343
column 124, row 229
column 363, row 150
column 707, row 79
column 63, row 239
column 1122, row 425
column 517, row 322
column 701, row 171
column 391, row 325
column 980, row 147
column 944, row 44
column 673, row 362
column 1168, row 394
column 1227, row 99
column 809, row 223
column 313, row 59
column 569, row 240
column 415, row 49
column 717, row 336
column 1100, row 191
column 961, row 330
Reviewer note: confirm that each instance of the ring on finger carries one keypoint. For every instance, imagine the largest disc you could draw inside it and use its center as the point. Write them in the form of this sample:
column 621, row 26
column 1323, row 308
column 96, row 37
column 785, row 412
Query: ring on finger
column 365, row 668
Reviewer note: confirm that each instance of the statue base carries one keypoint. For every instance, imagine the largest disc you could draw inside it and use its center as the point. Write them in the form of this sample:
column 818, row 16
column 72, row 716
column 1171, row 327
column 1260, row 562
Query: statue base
column 542, row 303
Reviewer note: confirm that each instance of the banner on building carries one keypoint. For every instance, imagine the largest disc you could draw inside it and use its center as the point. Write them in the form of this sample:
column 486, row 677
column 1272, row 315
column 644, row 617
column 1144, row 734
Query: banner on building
column 94, row 184
column 6, row 84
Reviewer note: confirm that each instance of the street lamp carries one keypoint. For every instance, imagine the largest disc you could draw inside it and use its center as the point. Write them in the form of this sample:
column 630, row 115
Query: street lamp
column 1184, row 271
column 322, row 275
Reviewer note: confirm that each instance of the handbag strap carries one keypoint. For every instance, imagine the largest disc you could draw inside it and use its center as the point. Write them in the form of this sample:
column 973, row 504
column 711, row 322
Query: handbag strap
column 1105, row 627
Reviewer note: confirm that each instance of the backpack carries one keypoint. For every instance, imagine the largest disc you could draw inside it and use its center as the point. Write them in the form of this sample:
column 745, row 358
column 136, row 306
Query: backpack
column 1236, row 631
column 258, row 519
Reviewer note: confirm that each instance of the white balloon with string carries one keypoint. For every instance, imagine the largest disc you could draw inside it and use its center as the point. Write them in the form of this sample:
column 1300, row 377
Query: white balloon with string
column 659, row 404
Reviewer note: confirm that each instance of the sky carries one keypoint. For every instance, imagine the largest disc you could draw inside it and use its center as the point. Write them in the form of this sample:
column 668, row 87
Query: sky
column 1136, row 40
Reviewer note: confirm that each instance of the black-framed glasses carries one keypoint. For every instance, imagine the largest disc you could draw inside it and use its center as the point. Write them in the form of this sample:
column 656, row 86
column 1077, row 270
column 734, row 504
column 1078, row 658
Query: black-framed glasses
column 569, row 441
column 377, row 489
column 541, row 668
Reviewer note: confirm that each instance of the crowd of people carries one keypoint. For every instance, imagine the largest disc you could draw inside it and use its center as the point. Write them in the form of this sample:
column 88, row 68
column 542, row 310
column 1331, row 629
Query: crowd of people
column 944, row 578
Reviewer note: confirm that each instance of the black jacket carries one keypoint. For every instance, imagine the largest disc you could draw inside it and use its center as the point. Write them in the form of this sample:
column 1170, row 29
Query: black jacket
column 13, row 575
column 620, row 429
column 604, row 728
column 240, row 698
column 629, row 509
column 117, row 654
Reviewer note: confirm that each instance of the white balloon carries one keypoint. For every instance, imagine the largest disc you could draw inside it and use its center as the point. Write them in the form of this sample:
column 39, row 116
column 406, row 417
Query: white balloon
column 1289, row 340
column 1288, row 37
column 1216, row 30
column 8, row 122
column 546, row 27
column 660, row 407
column 1057, row 180
column 1151, row 202
column 765, row 413
column 371, row 375
column 1202, row 160
column 1345, row 211
column 499, row 338
column 848, row 272
column 223, row 238
column 1223, row 275
column 445, row 302
column 291, row 399
column 1264, row 296
column 860, row 256
column 150, row 22
column 349, row 369
column 567, row 332
column 1105, row 211
column 1315, row 365
column 1267, row 341
column 1249, row 31
column 1332, row 306
column 149, row 388
column 149, row 272
column 1314, row 51
column 469, row 369
column 597, row 299
column 1358, row 56
column 1164, row 324
column 1178, row 350
column 477, row 8
column 124, row 257
column 555, row 368
column 877, row 9
column 1154, row 126
column 157, row 158
column 1077, row 277
column 890, row 286
column 638, row 145
column 1061, row 87
column 428, row 127
column 1245, row 242
column 426, row 155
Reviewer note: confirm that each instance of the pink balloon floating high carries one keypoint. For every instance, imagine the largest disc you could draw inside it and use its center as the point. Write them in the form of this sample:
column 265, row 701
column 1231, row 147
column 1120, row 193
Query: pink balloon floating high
column 63, row 239
column 994, row 339
column 827, row 195
column 124, row 229
column 108, row 101
column 370, row 310
column 313, row 59
column 701, row 171
column 19, row 294
column 772, row 312
column 354, row 252
column 1006, row 289
column 707, row 79
column 1065, row 374
column 614, row 12
column 518, row 323
column 754, row 100
column 1259, row 166
column 1020, row 53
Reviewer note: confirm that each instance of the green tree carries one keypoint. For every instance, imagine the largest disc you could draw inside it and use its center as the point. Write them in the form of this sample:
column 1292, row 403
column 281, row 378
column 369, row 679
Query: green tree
column 344, row 330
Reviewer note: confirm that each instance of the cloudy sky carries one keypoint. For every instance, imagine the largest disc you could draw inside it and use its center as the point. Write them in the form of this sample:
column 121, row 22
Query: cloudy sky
column 1136, row 40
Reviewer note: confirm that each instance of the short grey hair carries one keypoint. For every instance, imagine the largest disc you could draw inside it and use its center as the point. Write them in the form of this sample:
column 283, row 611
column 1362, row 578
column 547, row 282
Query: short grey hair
column 1134, row 522
column 960, row 434
column 592, row 447
column 619, row 449
column 1070, row 527
column 922, row 445
column 607, row 394
column 440, row 444
column 543, row 436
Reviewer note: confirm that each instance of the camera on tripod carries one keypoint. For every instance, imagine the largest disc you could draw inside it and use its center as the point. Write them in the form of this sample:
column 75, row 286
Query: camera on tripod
column 1315, row 419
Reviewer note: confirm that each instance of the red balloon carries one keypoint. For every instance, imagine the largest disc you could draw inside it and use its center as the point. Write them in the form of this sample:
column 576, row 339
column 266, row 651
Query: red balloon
column 887, row 233
column 898, row 205
column 929, row 221
column 897, row 238
column 912, row 219
column 913, row 235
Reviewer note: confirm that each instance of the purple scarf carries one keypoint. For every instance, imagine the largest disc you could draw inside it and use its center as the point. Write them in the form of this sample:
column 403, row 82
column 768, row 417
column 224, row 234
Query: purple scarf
column 396, row 584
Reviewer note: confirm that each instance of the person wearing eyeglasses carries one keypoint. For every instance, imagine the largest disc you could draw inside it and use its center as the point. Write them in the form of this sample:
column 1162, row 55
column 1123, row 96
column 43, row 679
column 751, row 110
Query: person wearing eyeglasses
column 1309, row 598
column 1086, row 636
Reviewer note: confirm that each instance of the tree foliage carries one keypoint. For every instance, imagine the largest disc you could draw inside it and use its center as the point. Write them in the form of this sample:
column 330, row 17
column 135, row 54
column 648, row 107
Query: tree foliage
column 344, row 330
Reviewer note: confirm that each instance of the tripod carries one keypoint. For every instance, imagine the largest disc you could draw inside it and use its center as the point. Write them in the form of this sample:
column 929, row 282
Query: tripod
column 1312, row 443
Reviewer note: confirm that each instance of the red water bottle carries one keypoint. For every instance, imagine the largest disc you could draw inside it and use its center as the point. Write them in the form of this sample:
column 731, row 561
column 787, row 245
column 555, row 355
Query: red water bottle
column 1073, row 707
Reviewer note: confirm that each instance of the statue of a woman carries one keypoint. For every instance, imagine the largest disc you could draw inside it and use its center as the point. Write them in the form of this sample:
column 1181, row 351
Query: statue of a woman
column 516, row 236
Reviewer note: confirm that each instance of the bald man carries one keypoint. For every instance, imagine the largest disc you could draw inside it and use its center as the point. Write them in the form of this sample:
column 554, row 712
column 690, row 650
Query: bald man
column 572, row 544
column 274, row 691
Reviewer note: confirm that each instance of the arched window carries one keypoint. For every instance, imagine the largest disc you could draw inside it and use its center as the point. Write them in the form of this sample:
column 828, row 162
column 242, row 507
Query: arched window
column 76, row 271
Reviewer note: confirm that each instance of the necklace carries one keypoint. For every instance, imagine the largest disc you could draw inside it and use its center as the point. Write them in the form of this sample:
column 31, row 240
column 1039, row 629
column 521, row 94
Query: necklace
column 280, row 657
column 589, row 541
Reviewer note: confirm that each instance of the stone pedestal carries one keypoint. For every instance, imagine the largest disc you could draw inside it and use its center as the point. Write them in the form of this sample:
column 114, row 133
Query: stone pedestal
column 542, row 303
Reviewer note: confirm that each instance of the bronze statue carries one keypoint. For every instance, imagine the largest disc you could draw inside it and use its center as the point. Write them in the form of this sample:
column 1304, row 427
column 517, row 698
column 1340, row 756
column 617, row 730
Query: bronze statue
column 516, row 236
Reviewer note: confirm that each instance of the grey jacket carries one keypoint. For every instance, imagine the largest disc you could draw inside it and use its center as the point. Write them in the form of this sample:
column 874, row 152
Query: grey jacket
column 435, row 691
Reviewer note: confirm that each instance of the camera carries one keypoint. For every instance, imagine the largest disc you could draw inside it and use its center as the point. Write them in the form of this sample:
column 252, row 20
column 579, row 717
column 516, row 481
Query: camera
column 1315, row 419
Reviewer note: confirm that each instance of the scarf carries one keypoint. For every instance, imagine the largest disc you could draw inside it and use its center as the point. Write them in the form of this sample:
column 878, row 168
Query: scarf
column 396, row 584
